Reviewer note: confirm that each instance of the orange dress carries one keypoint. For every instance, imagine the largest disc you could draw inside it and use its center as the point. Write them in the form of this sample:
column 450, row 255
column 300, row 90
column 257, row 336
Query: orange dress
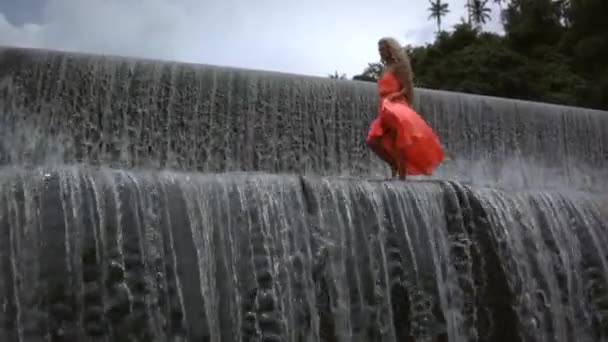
column 403, row 134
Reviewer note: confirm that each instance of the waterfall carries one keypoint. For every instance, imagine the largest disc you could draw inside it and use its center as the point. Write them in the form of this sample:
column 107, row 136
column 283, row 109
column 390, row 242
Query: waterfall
column 155, row 201
column 130, row 113
column 109, row 254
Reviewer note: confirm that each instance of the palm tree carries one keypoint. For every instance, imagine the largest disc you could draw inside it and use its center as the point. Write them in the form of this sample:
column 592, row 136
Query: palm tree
column 562, row 8
column 499, row 3
column 502, row 12
column 479, row 12
column 438, row 9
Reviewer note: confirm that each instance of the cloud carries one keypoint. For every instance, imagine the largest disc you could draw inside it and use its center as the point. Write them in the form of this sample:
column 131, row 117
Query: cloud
column 312, row 37
column 112, row 27
column 25, row 36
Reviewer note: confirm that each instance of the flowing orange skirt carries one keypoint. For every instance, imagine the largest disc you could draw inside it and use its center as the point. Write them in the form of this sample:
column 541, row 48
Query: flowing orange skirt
column 405, row 136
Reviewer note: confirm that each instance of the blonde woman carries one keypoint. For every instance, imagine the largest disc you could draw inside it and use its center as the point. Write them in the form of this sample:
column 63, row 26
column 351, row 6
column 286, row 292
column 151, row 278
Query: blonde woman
column 399, row 136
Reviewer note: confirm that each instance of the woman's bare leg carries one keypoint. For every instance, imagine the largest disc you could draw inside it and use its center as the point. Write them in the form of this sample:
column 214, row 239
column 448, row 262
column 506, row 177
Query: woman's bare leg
column 399, row 169
column 400, row 166
column 398, row 160
column 374, row 145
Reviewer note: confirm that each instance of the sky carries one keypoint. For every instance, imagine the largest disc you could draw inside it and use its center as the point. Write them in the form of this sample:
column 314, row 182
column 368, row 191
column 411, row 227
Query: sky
column 313, row 37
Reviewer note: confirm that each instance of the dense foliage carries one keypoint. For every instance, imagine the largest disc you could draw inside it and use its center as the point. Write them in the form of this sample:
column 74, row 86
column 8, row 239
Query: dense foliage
column 552, row 51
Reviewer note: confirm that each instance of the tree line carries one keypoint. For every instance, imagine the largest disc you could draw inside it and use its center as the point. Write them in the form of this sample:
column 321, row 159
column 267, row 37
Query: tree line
column 551, row 51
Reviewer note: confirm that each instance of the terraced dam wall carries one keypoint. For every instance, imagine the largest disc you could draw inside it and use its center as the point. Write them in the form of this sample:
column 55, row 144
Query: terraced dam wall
column 156, row 201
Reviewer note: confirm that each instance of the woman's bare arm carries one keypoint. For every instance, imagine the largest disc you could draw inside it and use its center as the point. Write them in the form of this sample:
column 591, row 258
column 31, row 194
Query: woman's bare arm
column 403, row 72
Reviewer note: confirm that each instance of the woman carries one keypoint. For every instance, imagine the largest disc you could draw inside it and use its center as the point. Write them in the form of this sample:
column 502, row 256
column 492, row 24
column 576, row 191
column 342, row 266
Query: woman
column 399, row 136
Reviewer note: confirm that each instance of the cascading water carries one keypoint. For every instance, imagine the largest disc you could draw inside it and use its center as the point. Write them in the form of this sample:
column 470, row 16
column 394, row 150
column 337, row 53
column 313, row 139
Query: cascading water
column 113, row 226
column 125, row 113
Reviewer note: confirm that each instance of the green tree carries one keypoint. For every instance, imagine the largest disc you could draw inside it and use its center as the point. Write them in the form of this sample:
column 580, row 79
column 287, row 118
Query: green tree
column 371, row 73
column 552, row 51
column 438, row 10
column 532, row 25
column 586, row 42
column 337, row 76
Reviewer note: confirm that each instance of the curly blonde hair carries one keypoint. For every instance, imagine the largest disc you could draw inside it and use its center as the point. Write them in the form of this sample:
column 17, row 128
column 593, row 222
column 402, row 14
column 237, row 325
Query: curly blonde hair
column 397, row 61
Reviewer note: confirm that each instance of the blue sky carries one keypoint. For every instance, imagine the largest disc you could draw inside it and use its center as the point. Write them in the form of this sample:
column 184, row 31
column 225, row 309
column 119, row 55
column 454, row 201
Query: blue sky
column 315, row 37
